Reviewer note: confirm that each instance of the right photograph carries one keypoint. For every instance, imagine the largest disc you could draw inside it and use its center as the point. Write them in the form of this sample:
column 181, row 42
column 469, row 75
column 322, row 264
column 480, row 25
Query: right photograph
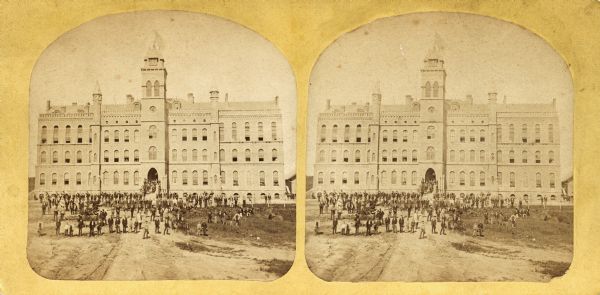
column 440, row 149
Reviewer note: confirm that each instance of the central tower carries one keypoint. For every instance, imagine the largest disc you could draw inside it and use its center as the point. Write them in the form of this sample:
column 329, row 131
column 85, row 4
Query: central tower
column 154, row 116
column 433, row 116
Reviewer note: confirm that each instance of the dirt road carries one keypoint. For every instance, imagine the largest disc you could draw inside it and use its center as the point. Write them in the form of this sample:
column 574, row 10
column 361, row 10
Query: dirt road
column 161, row 257
column 405, row 257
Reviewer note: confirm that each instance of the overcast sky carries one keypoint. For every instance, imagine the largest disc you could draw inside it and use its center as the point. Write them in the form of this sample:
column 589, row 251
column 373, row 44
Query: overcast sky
column 481, row 55
column 201, row 52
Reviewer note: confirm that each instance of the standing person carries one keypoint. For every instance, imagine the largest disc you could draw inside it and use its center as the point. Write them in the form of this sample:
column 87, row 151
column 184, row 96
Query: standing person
column 356, row 225
column 124, row 222
column 401, row 223
column 156, row 225
column 79, row 225
column 433, row 225
column 118, row 224
column 110, row 224
column 335, row 225
column 443, row 226
column 422, row 226
column 146, row 229
column 387, row 223
column 167, row 226
column 394, row 223
column 57, row 227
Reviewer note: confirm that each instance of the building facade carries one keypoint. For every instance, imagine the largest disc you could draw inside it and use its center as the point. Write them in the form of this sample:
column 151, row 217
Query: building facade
column 217, row 145
column 496, row 149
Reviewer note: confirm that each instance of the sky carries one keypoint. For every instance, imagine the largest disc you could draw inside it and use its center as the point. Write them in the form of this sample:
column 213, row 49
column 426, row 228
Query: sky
column 481, row 55
column 201, row 53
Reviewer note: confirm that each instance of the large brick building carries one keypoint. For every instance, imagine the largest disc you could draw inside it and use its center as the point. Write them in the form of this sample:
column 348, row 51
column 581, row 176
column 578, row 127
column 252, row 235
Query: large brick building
column 211, row 145
column 504, row 150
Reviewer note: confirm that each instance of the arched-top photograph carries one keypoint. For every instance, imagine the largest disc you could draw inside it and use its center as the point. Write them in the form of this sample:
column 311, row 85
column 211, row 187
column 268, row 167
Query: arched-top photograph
column 162, row 146
column 440, row 148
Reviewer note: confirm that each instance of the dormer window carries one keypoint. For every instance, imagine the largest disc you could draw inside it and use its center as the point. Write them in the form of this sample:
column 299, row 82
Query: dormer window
column 153, row 61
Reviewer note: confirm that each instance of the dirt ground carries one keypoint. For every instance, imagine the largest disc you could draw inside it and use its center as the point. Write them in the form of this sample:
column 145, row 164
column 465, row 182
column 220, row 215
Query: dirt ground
column 538, row 251
column 250, row 253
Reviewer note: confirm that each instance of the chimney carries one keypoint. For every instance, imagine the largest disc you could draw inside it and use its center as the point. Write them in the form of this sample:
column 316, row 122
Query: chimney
column 554, row 101
column 409, row 100
column 492, row 97
column 277, row 100
column 329, row 104
column 469, row 99
column 190, row 97
column 129, row 98
column 214, row 95
column 47, row 105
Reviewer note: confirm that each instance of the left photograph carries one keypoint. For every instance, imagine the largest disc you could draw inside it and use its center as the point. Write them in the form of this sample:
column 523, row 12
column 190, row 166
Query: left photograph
column 162, row 146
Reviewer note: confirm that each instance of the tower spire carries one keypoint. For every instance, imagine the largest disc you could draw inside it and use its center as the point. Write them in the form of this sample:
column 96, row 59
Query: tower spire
column 97, row 88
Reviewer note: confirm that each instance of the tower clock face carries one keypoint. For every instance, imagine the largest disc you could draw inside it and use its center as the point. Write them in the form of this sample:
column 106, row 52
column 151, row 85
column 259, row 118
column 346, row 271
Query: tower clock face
column 431, row 109
column 153, row 109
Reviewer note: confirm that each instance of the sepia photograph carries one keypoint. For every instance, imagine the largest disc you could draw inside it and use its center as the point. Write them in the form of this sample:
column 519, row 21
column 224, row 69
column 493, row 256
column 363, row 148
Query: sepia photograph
column 439, row 149
column 162, row 147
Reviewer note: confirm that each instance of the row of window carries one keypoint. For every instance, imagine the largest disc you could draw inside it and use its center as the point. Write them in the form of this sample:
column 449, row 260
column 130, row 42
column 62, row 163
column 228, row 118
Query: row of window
column 78, row 136
column 473, row 135
column 116, row 178
column 222, row 178
column 451, row 178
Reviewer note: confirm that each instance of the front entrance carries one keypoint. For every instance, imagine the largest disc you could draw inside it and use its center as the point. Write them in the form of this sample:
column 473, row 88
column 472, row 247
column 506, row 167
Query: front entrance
column 430, row 175
column 152, row 175
column 430, row 182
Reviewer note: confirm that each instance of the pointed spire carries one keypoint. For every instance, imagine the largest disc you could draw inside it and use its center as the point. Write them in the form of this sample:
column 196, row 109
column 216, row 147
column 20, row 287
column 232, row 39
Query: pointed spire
column 435, row 52
column 377, row 87
column 154, row 50
column 97, row 88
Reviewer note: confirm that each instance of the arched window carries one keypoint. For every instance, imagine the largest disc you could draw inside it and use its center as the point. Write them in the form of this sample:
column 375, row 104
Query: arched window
column 452, row 135
column 184, row 177
column 452, row 156
column 195, row 177
column 320, row 178
column 194, row 134
column 481, row 178
column 472, row 178
column 54, row 178
column 323, row 133
column 247, row 155
column 332, row 178
column 236, row 180
column 413, row 178
column 204, row 155
column 333, row 156
column 430, row 153
column 482, row 135
column 204, row 177
column 275, row 178
column 462, row 135
column 551, row 157
column 436, row 89
column 68, row 134
column 261, row 178
column 358, row 133
column 184, row 155
column 403, row 178
column 260, row 131
column 414, row 156
column 152, row 132
column 55, row 134
column 43, row 157
column 385, row 136
column 511, row 133
column 136, row 178
column 152, row 153
column 356, row 177
column 221, row 155
column 274, row 155
column 183, row 134
column 499, row 156
column 537, row 133
column 404, row 135
column 383, row 177
column 427, row 89
column 404, row 156
column 247, row 131
column 148, row 88
column 117, row 137
column 512, row 179
column 105, row 177
column 261, row 155
column 234, row 155
column 44, row 134
column 156, row 88
column 174, row 176
column 66, row 179
column 347, row 133
column 524, row 156
column 67, row 157
column 126, row 136
column 550, row 133
column 136, row 156
column 273, row 130
column 346, row 155
column 174, row 135
column 511, row 156
column 461, row 155
column 524, row 133
column 116, row 156
column 195, row 155
column 79, row 157
column 126, row 178
column 499, row 132
column 334, row 133
column 384, row 156
column 538, row 180
column 452, row 176
column 106, row 136
column 394, row 155
column 204, row 134
column 461, row 178
column 233, row 131
column 472, row 135
column 116, row 177
column 482, row 156
column 394, row 177
column 42, row 179
column 373, row 159
column 552, row 180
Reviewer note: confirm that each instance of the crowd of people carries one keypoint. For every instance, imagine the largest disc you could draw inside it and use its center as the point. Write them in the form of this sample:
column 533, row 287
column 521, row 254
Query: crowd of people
column 404, row 212
column 86, row 214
